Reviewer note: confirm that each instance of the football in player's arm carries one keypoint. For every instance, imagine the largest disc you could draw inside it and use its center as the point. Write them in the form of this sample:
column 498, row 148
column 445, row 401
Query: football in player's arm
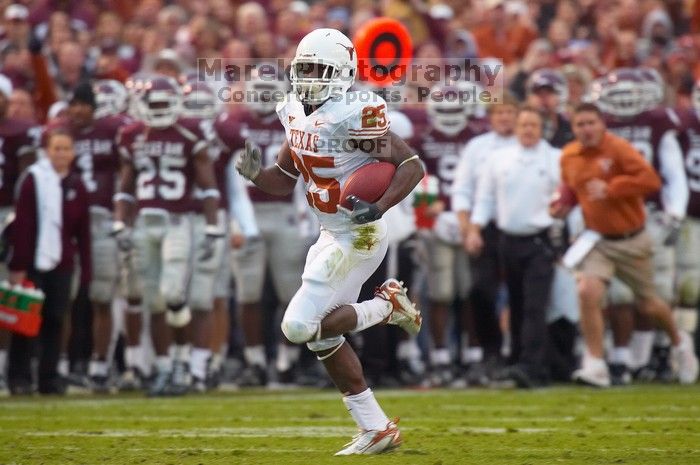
column 281, row 178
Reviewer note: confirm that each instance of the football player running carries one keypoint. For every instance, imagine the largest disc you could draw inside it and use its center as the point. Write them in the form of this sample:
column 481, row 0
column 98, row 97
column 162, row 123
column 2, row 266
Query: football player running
column 327, row 127
column 163, row 158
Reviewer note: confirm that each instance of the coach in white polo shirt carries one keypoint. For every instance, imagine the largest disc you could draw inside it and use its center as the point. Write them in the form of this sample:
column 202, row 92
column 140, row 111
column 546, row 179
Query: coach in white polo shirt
column 516, row 191
column 485, row 337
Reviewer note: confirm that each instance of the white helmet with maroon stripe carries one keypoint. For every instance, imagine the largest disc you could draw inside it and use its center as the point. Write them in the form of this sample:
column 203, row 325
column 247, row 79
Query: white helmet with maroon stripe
column 110, row 96
column 159, row 102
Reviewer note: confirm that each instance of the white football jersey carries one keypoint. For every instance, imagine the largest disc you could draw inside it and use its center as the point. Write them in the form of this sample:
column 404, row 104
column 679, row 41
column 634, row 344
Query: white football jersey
column 322, row 150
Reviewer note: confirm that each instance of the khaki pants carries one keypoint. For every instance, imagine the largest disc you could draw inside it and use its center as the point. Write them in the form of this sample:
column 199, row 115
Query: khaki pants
column 629, row 260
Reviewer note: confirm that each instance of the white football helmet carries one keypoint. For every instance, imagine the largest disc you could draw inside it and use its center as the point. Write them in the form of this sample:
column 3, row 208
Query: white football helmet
column 159, row 103
column 620, row 93
column 448, row 110
column 110, row 96
column 325, row 65
column 265, row 88
column 652, row 87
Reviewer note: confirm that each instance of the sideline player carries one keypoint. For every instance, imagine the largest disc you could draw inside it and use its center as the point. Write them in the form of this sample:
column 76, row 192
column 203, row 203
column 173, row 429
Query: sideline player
column 326, row 127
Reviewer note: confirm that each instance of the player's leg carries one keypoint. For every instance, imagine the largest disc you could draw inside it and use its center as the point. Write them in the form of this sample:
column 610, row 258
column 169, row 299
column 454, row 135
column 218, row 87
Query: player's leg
column 102, row 290
column 286, row 261
column 687, row 290
column 249, row 272
column 201, row 299
column 334, row 273
column 220, row 318
column 636, row 269
column 441, row 293
column 148, row 236
column 629, row 353
column 132, row 290
column 177, row 255
column 408, row 353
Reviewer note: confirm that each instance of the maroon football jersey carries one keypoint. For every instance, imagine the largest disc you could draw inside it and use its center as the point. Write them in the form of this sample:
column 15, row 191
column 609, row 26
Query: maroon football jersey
column 97, row 158
column 17, row 139
column 690, row 144
column 267, row 132
column 164, row 161
column 441, row 152
column 645, row 132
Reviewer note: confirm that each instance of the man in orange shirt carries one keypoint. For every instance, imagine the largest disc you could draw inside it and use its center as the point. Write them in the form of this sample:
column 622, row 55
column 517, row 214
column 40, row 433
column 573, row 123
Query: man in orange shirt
column 610, row 180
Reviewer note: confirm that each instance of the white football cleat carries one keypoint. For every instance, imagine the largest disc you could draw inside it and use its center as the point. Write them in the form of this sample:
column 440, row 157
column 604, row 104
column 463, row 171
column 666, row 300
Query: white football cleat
column 404, row 313
column 593, row 372
column 683, row 360
column 373, row 441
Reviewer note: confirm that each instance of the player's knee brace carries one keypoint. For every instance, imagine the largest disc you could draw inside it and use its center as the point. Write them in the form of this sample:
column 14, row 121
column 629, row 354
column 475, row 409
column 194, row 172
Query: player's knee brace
column 298, row 332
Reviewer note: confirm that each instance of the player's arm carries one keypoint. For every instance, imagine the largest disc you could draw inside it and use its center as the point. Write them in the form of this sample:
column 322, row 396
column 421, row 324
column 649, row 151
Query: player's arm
column 124, row 198
column 409, row 169
column 206, row 181
column 278, row 179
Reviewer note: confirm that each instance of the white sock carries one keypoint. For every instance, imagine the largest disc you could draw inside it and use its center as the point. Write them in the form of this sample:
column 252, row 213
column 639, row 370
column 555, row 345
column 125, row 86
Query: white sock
column 593, row 363
column 132, row 356
column 640, row 346
column 223, row 351
column 181, row 353
column 366, row 412
column 255, row 356
column 472, row 355
column 63, row 366
column 164, row 364
column 3, row 362
column 620, row 356
column 408, row 350
column 440, row 357
column 286, row 356
column 198, row 362
column 371, row 312
column 216, row 361
column 98, row 368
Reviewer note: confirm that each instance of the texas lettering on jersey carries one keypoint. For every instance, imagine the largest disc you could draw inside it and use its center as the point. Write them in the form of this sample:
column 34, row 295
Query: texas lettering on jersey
column 320, row 150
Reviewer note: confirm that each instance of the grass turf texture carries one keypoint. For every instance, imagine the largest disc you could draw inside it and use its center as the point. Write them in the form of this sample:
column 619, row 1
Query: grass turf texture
column 636, row 425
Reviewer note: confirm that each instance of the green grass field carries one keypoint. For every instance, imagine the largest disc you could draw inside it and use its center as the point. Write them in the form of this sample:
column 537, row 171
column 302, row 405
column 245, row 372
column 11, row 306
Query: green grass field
column 637, row 425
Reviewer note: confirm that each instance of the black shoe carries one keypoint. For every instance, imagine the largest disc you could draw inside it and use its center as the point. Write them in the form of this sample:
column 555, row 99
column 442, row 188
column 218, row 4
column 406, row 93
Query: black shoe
column 21, row 388
column 214, row 379
column 411, row 371
column 439, row 376
column 159, row 385
column 476, row 374
column 620, row 374
column 53, row 386
column 521, row 377
column 130, row 380
column 180, row 381
column 199, row 385
column 288, row 377
column 100, row 384
column 253, row 376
